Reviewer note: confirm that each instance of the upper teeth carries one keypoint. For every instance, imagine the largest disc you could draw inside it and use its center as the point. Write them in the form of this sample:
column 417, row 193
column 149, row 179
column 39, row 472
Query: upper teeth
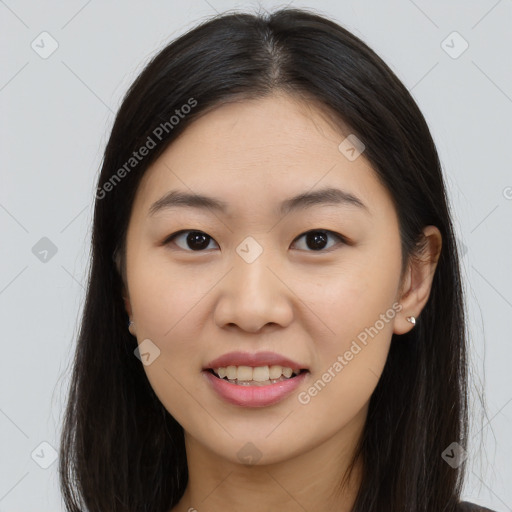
column 259, row 373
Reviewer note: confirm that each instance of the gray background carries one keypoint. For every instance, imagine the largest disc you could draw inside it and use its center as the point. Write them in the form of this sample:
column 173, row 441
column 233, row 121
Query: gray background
column 56, row 113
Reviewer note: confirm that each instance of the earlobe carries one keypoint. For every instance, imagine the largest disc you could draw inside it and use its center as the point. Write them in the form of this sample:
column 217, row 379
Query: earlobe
column 406, row 319
column 127, row 305
column 128, row 308
column 116, row 258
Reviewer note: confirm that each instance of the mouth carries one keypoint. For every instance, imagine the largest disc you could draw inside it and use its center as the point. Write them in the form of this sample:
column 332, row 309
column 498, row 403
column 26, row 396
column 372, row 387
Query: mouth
column 246, row 386
column 255, row 376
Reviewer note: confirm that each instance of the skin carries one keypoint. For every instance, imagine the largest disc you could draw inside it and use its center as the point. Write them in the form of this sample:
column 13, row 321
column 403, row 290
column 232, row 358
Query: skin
column 306, row 304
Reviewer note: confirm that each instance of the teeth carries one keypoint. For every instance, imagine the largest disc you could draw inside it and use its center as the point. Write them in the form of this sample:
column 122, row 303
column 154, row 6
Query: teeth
column 275, row 372
column 231, row 372
column 258, row 374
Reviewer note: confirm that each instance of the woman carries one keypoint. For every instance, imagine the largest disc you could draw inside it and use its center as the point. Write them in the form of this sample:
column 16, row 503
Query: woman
column 271, row 221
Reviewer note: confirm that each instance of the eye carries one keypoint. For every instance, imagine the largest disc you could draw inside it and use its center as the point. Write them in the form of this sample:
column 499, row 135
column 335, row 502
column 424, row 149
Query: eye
column 195, row 240
column 317, row 238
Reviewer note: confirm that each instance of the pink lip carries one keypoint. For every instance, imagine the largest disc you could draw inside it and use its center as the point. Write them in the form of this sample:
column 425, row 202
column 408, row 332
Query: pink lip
column 253, row 360
column 253, row 396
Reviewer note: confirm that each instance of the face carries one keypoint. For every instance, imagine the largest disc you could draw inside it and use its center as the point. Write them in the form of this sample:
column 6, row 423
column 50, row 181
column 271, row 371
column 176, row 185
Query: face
column 316, row 282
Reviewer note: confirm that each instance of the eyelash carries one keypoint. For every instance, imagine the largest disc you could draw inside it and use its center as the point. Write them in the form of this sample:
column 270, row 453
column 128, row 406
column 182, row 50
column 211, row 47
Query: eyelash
column 343, row 240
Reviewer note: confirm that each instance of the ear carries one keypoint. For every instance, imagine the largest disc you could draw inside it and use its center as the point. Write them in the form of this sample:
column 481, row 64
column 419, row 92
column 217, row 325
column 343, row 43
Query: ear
column 117, row 261
column 417, row 283
column 127, row 304
column 116, row 258
column 128, row 308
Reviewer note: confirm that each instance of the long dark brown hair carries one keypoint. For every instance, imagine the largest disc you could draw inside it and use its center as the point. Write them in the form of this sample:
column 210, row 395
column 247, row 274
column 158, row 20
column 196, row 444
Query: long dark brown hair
column 120, row 449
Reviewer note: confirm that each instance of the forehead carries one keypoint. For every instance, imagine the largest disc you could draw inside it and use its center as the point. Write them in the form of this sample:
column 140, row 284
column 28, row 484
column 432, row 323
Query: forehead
column 256, row 153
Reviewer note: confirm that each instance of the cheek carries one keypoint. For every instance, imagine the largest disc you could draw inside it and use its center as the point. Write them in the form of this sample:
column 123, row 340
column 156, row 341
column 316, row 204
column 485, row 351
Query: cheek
column 163, row 306
column 164, row 296
column 350, row 360
column 353, row 296
column 355, row 304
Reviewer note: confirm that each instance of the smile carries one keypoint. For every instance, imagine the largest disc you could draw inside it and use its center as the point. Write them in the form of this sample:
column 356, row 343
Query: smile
column 257, row 376
column 254, row 387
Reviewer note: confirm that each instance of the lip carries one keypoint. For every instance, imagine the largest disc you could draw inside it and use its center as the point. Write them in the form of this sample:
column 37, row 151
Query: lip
column 253, row 360
column 253, row 396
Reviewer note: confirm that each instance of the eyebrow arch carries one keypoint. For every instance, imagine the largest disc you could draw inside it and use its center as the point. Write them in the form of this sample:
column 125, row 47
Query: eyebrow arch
column 326, row 196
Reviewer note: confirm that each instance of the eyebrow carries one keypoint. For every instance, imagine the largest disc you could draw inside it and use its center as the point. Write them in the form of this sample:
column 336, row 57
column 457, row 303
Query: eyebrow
column 326, row 196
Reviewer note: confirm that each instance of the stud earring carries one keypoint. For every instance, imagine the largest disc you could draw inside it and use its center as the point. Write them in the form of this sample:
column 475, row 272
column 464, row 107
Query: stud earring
column 412, row 320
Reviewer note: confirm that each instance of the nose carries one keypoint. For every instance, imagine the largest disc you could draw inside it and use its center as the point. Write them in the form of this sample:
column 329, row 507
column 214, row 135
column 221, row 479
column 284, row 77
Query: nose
column 253, row 295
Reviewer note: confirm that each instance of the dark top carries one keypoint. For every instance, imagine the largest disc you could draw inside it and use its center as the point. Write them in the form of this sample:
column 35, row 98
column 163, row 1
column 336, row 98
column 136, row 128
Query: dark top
column 465, row 506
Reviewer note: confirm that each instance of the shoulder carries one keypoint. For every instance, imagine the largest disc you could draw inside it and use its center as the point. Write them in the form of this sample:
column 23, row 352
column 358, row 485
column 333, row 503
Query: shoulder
column 466, row 506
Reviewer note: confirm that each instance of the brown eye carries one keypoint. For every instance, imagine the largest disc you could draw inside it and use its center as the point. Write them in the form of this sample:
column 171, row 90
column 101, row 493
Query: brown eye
column 317, row 239
column 197, row 241
column 193, row 240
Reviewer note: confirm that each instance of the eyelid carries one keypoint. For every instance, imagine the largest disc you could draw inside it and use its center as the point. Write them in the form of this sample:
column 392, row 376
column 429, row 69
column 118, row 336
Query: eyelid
column 343, row 239
column 170, row 238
